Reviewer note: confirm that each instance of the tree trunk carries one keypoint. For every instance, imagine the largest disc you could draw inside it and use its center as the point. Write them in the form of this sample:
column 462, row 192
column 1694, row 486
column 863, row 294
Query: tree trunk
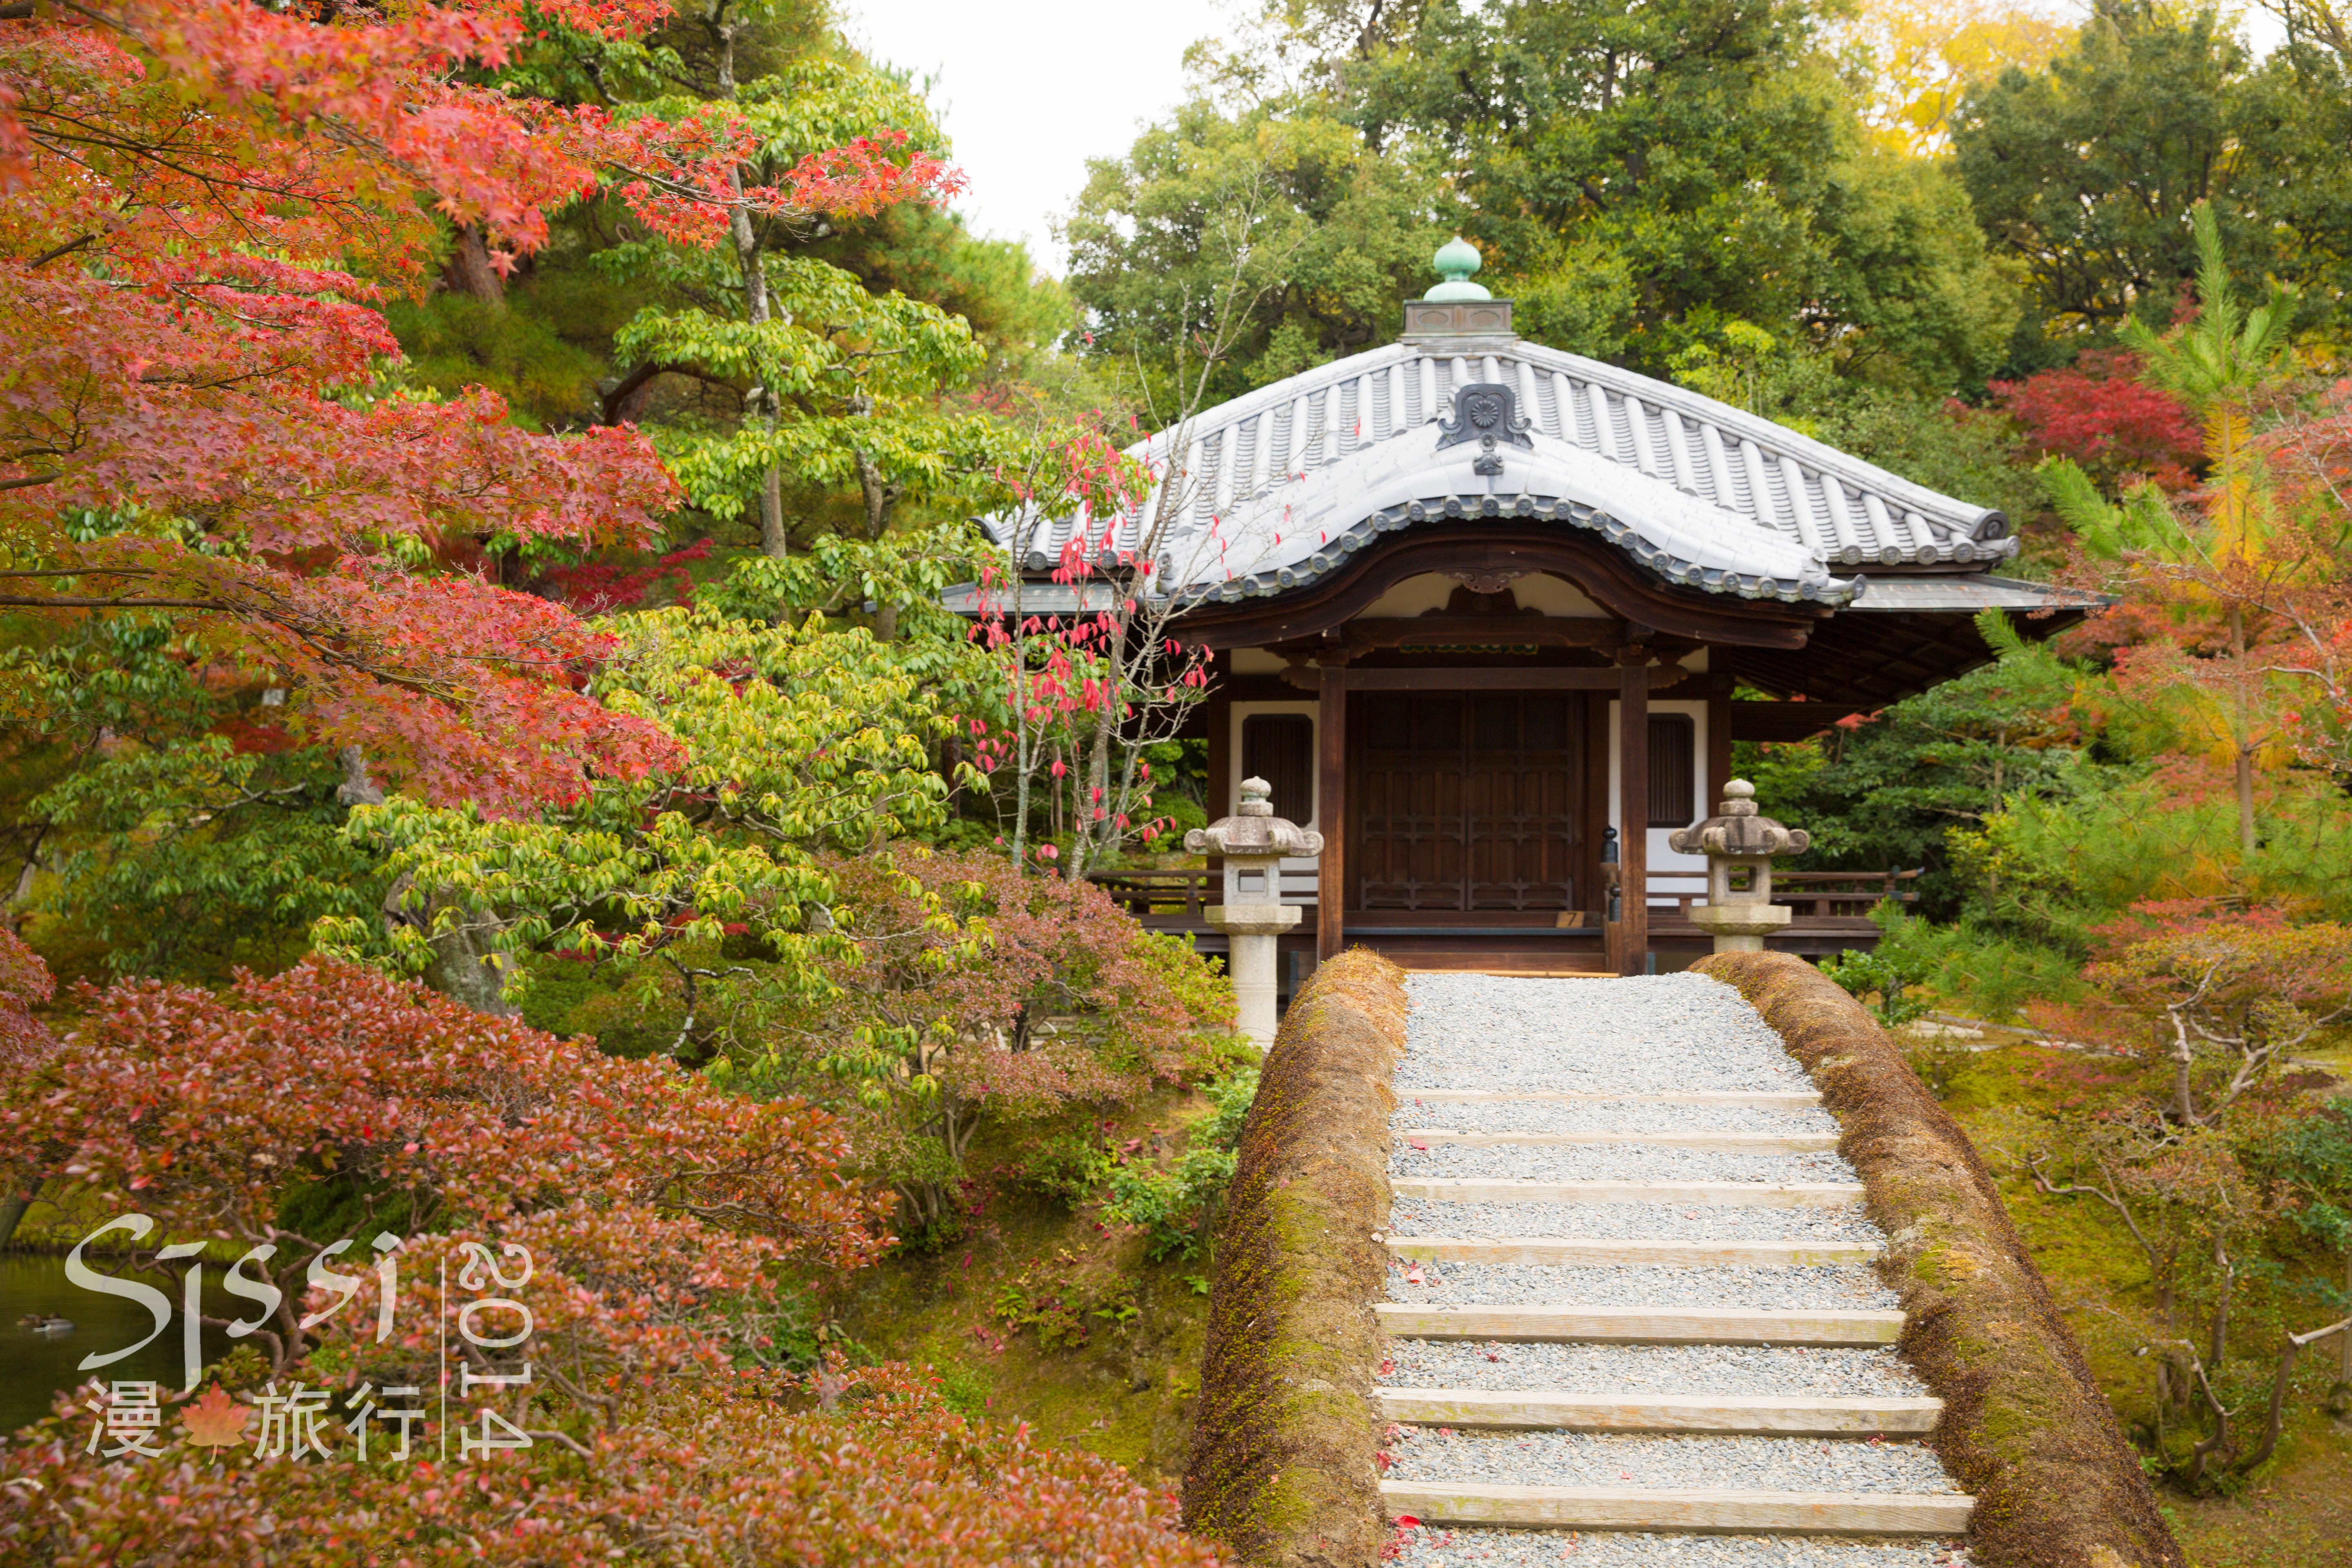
column 879, row 496
column 462, row 968
column 2219, row 1346
column 357, row 788
column 2274, row 1418
column 464, row 972
column 763, row 403
column 469, row 271
column 12, row 1213
column 2245, row 768
column 2184, row 1102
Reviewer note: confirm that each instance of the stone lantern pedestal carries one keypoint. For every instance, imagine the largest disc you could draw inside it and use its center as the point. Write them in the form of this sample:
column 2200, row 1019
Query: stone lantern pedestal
column 1737, row 840
column 1253, row 842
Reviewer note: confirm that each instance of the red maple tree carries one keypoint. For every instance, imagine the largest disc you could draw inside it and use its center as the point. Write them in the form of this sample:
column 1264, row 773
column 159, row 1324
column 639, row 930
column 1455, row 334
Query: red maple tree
column 2098, row 412
column 202, row 203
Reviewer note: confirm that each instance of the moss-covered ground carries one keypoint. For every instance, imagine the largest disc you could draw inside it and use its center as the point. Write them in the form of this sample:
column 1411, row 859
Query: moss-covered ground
column 2299, row 1516
column 1039, row 1312
column 2296, row 1511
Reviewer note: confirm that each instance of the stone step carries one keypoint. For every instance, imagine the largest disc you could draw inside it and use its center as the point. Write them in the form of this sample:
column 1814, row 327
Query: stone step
column 1752, row 1100
column 1642, row 1508
column 1643, row 1325
column 1710, row 1142
column 1786, row 1415
column 1511, row 1190
column 1614, row 1252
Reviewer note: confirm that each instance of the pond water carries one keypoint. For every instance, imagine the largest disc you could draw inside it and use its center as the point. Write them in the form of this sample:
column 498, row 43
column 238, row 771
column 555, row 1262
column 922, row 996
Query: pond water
column 35, row 1366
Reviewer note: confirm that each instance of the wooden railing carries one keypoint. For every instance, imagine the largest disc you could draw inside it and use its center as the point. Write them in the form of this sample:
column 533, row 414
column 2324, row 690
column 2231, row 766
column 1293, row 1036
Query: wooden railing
column 1144, row 893
column 1817, row 895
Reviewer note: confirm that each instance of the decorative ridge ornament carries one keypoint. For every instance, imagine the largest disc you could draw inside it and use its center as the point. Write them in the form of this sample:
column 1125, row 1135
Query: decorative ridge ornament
column 1456, row 260
column 1486, row 412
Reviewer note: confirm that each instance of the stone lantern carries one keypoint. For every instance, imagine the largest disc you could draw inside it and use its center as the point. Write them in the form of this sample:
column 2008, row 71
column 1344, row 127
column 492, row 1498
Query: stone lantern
column 1253, row 842
column 1740, row 918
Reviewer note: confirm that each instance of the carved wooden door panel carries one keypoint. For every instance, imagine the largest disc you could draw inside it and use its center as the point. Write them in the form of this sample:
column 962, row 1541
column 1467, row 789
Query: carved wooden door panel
column 1522, row 798
column 1459, row 802
column 1406, row 826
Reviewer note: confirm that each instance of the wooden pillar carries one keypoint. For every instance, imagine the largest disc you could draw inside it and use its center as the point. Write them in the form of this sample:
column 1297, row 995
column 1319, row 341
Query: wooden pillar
column 1634, row 814
column 1218, row 799
column 1719, row 743
column 1593, row 708
column 1331, row 811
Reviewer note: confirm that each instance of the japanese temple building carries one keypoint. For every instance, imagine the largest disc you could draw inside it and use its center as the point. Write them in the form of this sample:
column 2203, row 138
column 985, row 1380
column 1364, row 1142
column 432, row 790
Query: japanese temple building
column 1478, row 609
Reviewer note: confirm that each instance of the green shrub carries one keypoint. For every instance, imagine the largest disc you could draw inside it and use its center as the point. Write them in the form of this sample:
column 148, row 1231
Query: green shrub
column 1884, row 975
column 1983, row 973
column 1177, row 1208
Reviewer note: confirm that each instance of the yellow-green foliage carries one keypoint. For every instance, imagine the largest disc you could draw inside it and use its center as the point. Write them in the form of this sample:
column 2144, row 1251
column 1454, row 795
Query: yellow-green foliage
column 2052, row 871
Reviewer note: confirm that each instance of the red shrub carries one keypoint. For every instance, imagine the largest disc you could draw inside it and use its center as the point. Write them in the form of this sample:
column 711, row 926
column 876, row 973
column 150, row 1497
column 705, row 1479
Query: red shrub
column 712, row 1476
column 657, row 1211
column 25, row 984
column 2097, row 412
column 655, row 1206
column 592, row 588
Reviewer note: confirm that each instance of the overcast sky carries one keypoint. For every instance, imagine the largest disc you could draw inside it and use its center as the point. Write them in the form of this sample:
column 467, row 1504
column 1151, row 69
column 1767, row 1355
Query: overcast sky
column 1031, row 91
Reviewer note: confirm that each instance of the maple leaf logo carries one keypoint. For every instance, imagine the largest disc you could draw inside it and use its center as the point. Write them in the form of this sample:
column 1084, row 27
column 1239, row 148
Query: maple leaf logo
column 215, row 1420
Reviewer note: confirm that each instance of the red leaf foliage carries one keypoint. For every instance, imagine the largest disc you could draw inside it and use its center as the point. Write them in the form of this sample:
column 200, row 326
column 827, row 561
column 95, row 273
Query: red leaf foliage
column 646, row 1195
column 2097, row 412
column 2212, row 976
column 592, row 588
column 740, row 1470
column 201, row 203
column 25, row 984
column 655, row 1210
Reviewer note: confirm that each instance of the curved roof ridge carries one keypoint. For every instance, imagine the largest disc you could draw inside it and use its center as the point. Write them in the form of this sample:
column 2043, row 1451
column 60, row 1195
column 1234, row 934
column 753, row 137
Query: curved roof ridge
column 1756, row 426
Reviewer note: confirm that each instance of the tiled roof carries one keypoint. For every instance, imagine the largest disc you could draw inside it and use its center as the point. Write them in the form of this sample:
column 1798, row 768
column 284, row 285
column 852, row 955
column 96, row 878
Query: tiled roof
column 1277, row 487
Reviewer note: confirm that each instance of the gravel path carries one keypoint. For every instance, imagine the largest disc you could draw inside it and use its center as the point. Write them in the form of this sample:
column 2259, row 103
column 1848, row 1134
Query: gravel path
column 1692, row 1222
column 1655, row 1035
column 1824, row 1372
column 1818, row 1287
column 1650, row 1035
column 1614, row 1459
column 1612, row 1162
column 1430, row 1547
column 1602, row 1116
